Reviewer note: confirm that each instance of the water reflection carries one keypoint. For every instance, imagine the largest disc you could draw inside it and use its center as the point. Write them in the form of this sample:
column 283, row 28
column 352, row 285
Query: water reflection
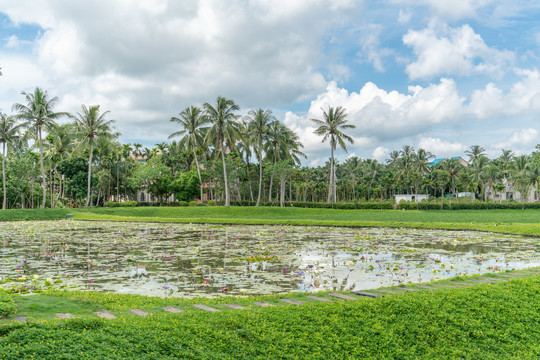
column 191, row 260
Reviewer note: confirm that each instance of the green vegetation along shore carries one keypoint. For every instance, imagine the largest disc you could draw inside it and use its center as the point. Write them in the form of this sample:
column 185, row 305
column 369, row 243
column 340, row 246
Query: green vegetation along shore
column 522, row 222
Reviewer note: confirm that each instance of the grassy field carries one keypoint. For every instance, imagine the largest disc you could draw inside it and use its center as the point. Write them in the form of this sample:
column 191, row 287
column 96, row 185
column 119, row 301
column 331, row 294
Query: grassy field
column 499, row 321
column 525, row 222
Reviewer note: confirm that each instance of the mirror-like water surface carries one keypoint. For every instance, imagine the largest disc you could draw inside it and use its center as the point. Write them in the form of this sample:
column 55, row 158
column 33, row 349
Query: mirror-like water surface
column 202, row 260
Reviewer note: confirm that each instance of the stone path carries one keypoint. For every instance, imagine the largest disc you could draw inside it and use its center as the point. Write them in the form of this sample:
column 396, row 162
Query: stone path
column 375, row 293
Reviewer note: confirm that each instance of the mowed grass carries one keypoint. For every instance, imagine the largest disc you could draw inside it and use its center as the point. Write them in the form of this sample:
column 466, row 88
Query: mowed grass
column 524, row 222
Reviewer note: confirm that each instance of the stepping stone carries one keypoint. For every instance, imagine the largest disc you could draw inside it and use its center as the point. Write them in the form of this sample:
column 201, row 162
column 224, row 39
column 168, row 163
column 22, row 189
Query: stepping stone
column 495, row 279
column 446, row 286
column 291, row 301
column 318, row 298
column 172, row 309
column 404, row 288
column 342, row 296
column 206, row 308
column 426, row 287
column 387, row 291
column 64, row 315
column 105, row 314
column 263, row 304
column 139, row 312
column 234, row 306
column 482, row 281
column 20, row 319
column 363, row 293
column 462, row 283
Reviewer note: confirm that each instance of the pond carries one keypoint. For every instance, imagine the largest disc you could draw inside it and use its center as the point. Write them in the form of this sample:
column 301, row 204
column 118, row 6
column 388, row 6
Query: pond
column 208, row 260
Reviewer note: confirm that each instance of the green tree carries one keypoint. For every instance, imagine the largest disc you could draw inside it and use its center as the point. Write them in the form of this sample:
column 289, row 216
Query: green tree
column 39, row 116
column 9, row 132
column 192, row 121
column 92, row 124
column 334, row 120
column 223, row 131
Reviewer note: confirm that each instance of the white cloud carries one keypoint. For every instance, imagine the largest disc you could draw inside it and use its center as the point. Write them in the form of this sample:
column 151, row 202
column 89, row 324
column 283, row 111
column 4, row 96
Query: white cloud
column 404, row 16
column 441, row 148
column 450, row 9
column 520, row 140
column 442, row 50
column 371, row 46
column 380, row 153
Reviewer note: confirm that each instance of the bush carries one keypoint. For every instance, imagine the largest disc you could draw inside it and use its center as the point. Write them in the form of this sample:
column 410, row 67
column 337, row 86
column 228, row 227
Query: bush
column 210, row 203
column 111, row 204
column 7, row 305
column 182, row 203
column 192, row 203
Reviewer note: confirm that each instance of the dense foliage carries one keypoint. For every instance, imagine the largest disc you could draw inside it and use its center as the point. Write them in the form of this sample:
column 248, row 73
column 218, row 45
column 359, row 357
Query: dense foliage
column 223, row 157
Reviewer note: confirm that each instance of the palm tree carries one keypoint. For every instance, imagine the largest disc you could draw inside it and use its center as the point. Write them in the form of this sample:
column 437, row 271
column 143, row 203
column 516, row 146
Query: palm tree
column 475, row 152
column 192, row 120
column 259, row 125
column 222, row 130
column 60, row 143
column 91, row 125
column 9, row 132
column 39, row 115
column 330, row 128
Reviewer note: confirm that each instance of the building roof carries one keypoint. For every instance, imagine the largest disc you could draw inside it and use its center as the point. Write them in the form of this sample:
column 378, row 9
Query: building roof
column 437, row 161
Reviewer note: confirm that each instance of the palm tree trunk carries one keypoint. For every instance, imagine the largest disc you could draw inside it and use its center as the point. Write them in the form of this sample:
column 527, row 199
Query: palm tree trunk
column 227, row 196
column 198, row 170
column 331, row 185
column 260, row 178
column 42, row 168
column 89, row 174
column 4, row 204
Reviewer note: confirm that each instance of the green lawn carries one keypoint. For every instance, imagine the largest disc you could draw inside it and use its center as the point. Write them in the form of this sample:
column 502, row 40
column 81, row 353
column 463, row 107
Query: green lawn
column 526, row 222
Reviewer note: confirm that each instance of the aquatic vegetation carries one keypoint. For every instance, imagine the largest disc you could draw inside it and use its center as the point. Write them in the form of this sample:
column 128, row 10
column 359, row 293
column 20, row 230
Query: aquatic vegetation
column 201, row 260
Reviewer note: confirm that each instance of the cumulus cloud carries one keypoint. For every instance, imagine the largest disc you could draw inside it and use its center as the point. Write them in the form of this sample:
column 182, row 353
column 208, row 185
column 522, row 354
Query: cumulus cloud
column 441, row 148
column 521, row 140
column 450, row 8
column 443, row 50
column 380, row 153
column 372, row 51
column 148, row 60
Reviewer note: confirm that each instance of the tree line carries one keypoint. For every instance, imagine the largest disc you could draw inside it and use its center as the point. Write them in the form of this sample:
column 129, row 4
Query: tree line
column 216, row 154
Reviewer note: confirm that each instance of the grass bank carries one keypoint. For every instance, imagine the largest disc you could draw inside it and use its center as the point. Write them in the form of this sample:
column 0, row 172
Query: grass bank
column 481, row 321
column 524, row 222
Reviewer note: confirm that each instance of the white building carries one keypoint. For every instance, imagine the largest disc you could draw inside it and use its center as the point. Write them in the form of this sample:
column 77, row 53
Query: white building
column 411, row 197
column 510, row 193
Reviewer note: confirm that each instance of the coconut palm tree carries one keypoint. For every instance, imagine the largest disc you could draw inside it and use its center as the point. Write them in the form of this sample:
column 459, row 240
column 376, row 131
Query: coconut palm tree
column 192, row 120
column 91, row 125
column 475, row 152
column 39, row 116
column 259, row 124
column 9, row 132
column 334, row 120
column 222, row 131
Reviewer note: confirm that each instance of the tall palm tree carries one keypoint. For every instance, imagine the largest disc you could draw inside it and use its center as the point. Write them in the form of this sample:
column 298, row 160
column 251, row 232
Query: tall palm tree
column 39, row 115
column 92, row 124
column 60, row 144
column 335, row 119
column 475, row 152
column 259, row 124
column 192, row 120
column 9, row 132
column 222, row 131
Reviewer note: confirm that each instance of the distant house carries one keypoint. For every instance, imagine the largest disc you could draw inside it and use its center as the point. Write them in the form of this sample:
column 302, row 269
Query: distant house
column 510, row 193
column 411, row 197
column 461, row 160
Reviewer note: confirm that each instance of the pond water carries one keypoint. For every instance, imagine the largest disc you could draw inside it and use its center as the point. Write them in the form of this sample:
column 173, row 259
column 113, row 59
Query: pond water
column 208, row 260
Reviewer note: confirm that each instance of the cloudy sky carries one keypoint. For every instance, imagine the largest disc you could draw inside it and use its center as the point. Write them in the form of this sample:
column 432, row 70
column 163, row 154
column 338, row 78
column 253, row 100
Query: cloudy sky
column 437, row 74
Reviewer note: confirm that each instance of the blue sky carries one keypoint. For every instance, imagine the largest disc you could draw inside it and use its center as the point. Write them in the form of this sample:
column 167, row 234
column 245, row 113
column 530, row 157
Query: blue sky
column 436, row 74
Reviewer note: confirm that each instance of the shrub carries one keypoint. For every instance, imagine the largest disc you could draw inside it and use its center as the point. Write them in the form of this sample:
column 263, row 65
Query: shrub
column 210, row 203
column 192, row 203
column 7, row 305
column 111, row 204
column 182, row 203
